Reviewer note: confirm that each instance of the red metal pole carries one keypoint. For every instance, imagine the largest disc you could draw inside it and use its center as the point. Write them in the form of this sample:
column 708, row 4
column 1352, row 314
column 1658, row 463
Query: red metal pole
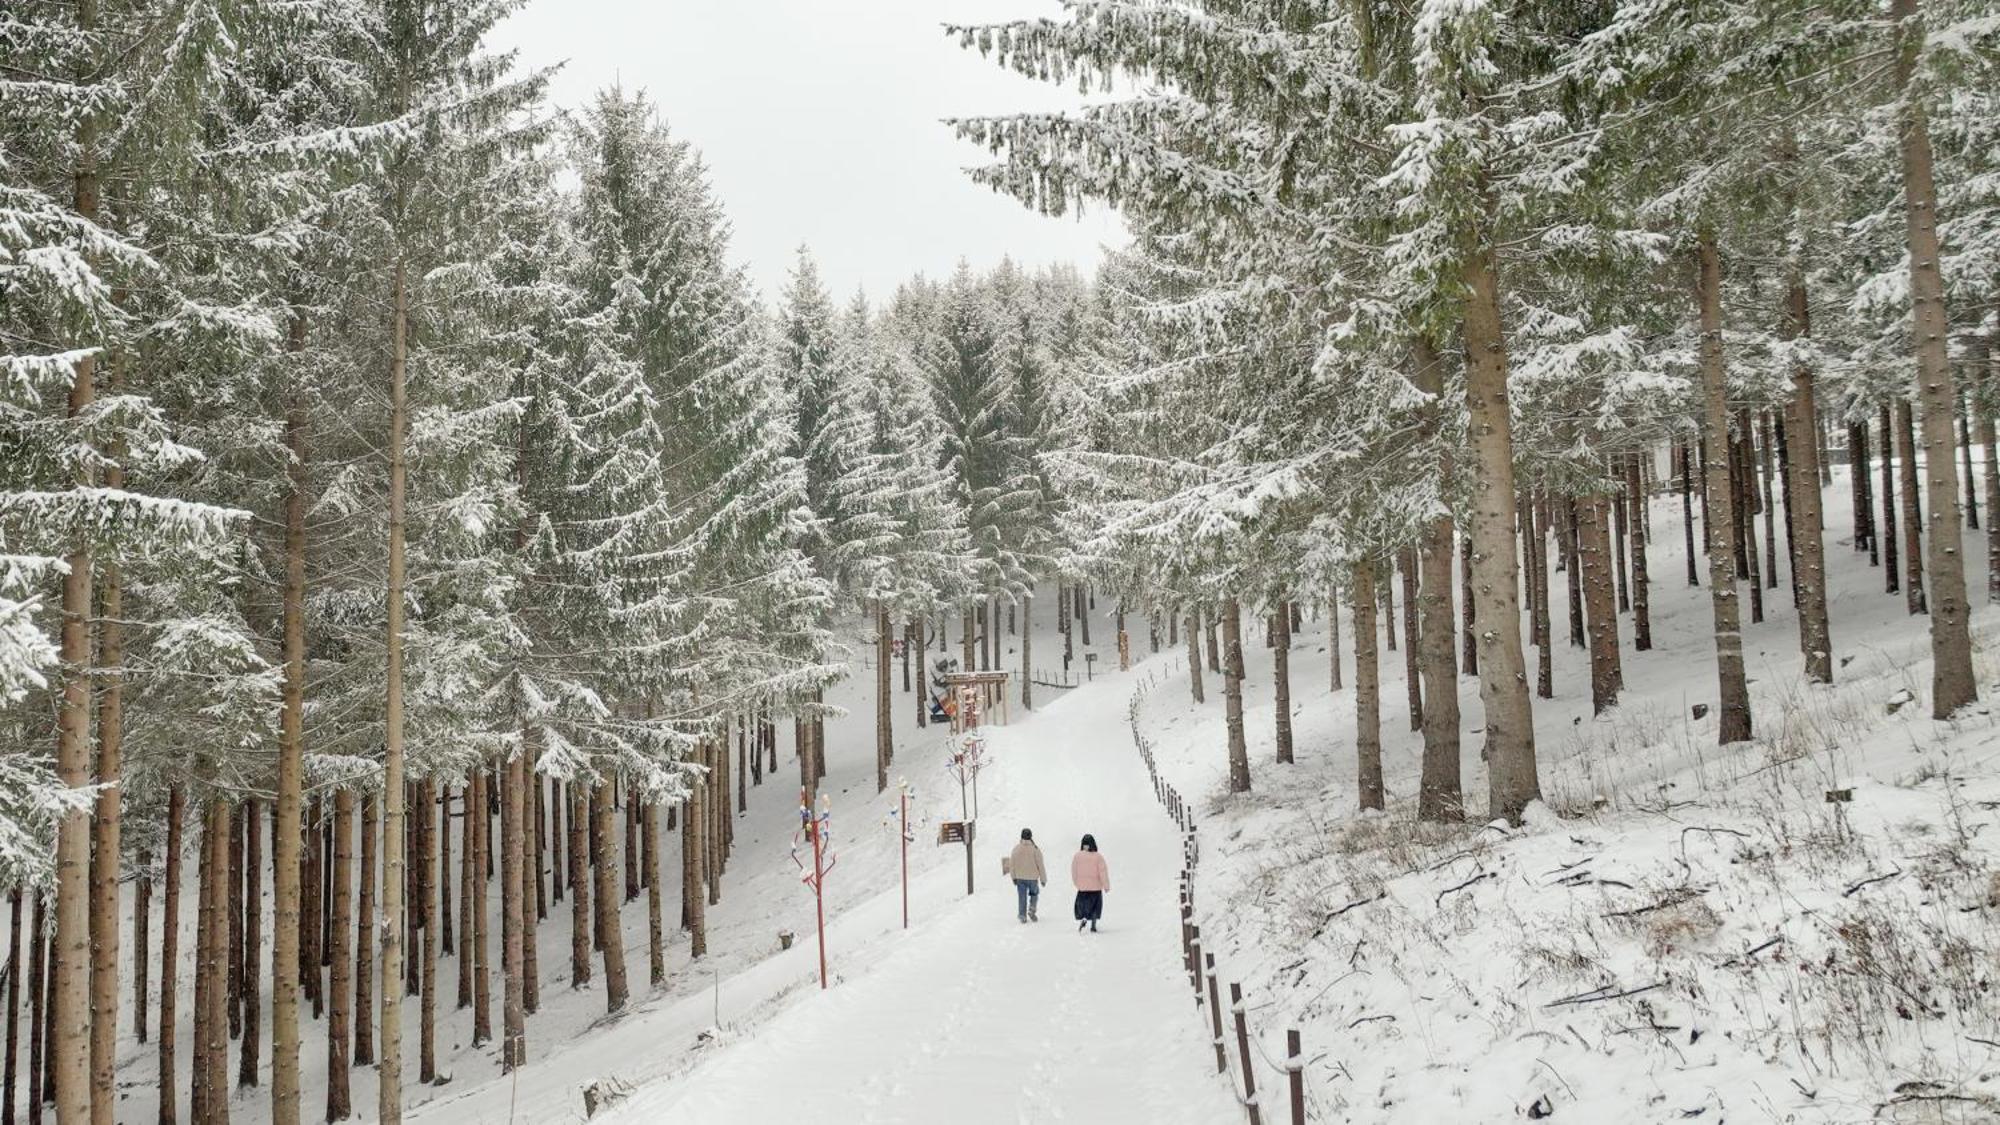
column 903, row 823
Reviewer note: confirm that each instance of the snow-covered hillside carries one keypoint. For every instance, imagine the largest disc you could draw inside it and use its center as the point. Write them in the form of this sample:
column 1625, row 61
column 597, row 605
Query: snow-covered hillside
column 1797, row 929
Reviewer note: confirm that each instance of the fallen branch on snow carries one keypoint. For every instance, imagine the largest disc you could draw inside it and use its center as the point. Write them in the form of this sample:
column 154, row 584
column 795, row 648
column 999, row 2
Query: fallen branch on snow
column 1599, row 994
column 1866, row 882
column 1749, row 953
column 1481, row 877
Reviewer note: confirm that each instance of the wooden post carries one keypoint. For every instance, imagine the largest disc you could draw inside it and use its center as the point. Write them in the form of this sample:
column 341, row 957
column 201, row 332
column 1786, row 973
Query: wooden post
column 1194, row 977
column 968, row 857
column 1243, row 1049
column 1215, row 1018
column 1295, row 1065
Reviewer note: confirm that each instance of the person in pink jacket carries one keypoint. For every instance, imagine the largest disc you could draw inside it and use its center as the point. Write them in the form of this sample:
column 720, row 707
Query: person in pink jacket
column 1092, row 880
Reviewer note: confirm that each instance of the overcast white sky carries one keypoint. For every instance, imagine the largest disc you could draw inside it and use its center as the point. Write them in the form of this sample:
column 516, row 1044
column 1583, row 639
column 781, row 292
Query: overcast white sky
column 819, row 121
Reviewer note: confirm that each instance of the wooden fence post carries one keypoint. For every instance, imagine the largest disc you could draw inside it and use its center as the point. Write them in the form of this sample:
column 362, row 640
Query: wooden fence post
column 1295, row 1065
column 1243, row 1049
column 1215, row 1018
column 1195, row 976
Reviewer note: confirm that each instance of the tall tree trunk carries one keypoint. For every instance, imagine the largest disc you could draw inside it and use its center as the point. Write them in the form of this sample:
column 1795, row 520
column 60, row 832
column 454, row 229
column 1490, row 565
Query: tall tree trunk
column 416, row 896
column 632, row 866
column 580, row 913
column 435, row 828
column 694, row 900
column 607, row 900
column 1232, row 695
column 1440, row 794
column 1027, row 651
column 394, row 874
column 71, row 1000
column 213, row 1027
column 479, row 920
column 1469, row 661
column 199, row 1106
column 534, row 907
column 1572, row 537
column 105, row 859
column 38, row 1003
column 1387, row 589
column 468, row 854
column 1083, row 612
column 1636, row 509
column 142, row 957
column 885, row 744
column 1913, row 514
column 1770, row 510
column 339, row 1102
column 1194, row 657
column 1281, row 675
column 1513, row 776
column 1892, row 575
column 309, row 932
column 1534, row 522
column 1412, row 670
column 286, row 826
column 513, row 906
column 235, row 907
column 1687, row 510
column 966, row 640
column 1746, row 508
column 249, row 1048
column 1332, row 639
column 1734, row 692
column 1802, row 498
column 1991, row 470
column 711, row 807
column 1214, row 649
column 1739, row 483
column 1607, row 676
column 364, row 929
column 656, row 953
column 1953, row 686
column 538, row 846
column 170, row 955
column 1857, row 479
column 1063, row 624
column 9, row 1067
column 1965, row 450
column 1367, row 688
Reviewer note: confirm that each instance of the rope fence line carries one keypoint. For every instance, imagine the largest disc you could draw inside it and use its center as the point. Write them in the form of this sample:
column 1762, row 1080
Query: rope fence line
column 1199, row 963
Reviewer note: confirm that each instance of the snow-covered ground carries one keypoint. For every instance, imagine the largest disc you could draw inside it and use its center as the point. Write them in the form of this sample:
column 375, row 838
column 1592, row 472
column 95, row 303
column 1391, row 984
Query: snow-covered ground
column 1685, row 933
column 744, row 979
column 974, row 1017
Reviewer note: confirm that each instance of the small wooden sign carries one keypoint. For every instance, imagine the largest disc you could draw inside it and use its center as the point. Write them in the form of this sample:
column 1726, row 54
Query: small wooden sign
column 954, row 831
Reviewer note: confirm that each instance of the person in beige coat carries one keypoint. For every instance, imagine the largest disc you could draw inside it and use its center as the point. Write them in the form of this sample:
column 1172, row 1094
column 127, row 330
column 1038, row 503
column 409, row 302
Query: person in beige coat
column 1029, row 874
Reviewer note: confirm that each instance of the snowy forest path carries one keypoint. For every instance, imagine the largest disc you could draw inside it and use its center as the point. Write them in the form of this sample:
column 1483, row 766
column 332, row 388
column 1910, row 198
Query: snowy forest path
column 974, row 1017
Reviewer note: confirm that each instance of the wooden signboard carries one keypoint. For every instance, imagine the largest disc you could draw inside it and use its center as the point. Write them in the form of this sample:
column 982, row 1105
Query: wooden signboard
column 954, row 832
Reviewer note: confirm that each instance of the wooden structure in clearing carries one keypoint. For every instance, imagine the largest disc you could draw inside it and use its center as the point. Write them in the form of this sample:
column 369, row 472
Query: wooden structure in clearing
column 978, row 695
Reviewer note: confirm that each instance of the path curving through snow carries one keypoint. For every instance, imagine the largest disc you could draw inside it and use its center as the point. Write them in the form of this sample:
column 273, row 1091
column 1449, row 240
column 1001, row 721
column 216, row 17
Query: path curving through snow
column 971, row 1017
